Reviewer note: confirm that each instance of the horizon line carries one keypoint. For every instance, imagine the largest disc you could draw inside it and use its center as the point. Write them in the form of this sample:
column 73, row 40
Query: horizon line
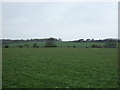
column 59, row 38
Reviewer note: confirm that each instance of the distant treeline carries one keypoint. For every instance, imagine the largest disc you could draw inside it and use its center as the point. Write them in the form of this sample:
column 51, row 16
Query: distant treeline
column 92, row 40
column 8, row 41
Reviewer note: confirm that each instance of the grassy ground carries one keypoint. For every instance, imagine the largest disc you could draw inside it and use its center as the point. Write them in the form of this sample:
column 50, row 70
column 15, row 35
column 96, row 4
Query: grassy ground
column 59, row 67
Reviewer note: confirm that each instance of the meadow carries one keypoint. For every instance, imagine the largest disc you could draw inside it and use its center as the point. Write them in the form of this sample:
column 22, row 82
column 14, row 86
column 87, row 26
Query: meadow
column 60, row 68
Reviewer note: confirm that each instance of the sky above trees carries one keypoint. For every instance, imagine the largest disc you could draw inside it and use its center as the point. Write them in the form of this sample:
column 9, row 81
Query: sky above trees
column 66, row 20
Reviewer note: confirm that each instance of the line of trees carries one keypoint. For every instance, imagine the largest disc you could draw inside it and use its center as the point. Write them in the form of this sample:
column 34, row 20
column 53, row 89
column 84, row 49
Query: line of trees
column 8, row 41
column 92, row 40
column 50, row 42
column 108, row 44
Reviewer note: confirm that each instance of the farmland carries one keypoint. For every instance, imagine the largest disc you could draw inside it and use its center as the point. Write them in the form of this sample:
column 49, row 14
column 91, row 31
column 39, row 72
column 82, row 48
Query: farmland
column 60, row 67
column 64, row 44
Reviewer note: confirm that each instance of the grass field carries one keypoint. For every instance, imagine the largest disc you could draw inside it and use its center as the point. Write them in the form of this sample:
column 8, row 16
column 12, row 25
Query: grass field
column 60, row 68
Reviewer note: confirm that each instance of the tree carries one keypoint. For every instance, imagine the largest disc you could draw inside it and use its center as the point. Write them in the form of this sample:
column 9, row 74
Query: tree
column 50, row 43
column 26, row 45
column 20, row 46
column 59, row 39
column 81, row 40
column 92, row 40
column 96, row 46
column 88, row 40
column 35, row 45
column 110, row 43
column 74, row 46
column 6, row 46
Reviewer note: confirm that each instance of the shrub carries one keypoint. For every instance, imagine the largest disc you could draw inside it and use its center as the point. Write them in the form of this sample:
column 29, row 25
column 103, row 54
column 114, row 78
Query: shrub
column 20, row 46
column 50, row 44
column 74, row 46
column 96, row 46
column 110, row 44
column 35, row 45
column 26, row 45
column 6, row 46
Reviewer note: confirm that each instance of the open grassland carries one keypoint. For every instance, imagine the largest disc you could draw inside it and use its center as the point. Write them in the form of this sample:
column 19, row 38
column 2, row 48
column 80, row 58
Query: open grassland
column 60, row 68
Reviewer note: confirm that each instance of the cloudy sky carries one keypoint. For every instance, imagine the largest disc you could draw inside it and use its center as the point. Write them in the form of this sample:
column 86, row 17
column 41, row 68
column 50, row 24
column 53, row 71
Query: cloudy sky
column 66, row 20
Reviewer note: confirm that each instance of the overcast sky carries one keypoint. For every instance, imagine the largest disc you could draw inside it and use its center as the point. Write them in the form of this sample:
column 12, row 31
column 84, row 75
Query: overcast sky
column 68, row 21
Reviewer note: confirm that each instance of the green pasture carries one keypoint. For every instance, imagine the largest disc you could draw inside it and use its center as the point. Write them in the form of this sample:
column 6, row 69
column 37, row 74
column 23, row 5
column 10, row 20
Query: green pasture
column 59, row 68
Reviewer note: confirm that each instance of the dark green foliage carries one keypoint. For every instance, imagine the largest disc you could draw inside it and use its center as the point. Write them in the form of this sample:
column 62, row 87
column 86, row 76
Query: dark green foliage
column 26, row 45
column 6, row 46
column 96, row 46
column 61, row 44
column 110, row 43
column 74, row 46
column 50, row 44
column 35, row 45
column 20, row 46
